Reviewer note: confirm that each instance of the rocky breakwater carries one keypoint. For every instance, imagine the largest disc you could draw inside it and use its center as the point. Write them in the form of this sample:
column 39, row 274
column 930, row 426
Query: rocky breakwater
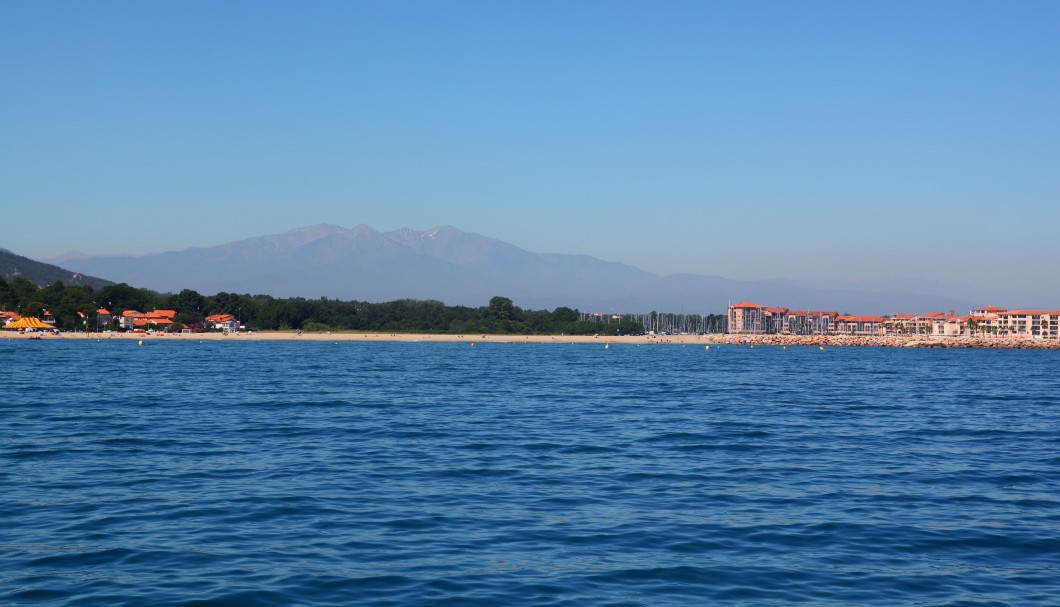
column 985, row 342
column 885, row 341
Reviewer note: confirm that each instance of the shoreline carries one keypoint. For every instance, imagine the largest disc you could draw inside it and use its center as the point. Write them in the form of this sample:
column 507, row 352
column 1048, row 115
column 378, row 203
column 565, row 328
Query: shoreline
column 1022, row 343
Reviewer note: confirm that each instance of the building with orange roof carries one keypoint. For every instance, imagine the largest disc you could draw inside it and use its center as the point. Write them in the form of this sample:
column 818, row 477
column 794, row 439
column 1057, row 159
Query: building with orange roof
column 861, row 325
column 987, row 310
column 915, row 324
column 809, row 322
column 750, row 318
column 1030, row 323
column 125, row 321
column 227, row 322
column 133, row 319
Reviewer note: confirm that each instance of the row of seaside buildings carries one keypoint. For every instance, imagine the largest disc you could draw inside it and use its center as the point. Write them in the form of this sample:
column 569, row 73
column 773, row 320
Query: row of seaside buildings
column 751, row 318
column 134, row 319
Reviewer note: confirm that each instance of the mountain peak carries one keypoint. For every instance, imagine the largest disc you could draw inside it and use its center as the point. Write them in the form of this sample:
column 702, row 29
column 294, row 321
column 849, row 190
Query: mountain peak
column 362, row 229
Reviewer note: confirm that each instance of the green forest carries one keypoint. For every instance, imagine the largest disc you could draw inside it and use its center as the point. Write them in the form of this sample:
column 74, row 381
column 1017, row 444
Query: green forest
column 262, row 312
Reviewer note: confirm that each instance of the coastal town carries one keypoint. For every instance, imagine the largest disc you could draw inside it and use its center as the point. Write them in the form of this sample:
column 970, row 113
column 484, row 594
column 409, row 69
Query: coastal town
column 128, row 320
column 748, row 323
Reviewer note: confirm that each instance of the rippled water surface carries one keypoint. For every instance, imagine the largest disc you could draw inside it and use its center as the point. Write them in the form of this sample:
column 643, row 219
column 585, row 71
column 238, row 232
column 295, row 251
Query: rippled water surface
column 323, row 473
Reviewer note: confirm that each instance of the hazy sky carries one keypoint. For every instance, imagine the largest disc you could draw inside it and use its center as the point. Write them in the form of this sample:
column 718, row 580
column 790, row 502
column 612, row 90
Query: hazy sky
column 745, row 139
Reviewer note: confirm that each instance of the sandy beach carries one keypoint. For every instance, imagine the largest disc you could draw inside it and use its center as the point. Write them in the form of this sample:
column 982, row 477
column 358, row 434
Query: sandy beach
column 686, row 340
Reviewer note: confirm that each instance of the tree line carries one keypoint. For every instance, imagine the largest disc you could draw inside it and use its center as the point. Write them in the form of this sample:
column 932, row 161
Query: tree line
column 74, row 308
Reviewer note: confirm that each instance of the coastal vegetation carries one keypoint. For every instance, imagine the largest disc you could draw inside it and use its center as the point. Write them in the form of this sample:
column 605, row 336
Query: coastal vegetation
column 75, row 307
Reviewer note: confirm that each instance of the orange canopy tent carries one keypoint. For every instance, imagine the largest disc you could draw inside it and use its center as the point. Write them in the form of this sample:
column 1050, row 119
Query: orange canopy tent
column 28, row 322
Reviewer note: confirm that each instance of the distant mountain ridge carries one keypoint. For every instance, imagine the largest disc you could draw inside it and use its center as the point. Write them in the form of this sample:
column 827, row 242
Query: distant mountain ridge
column 461, row 268
column 43, row 274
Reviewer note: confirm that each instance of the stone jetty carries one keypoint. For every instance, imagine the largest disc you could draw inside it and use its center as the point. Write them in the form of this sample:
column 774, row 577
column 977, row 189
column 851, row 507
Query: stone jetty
column 886, row 342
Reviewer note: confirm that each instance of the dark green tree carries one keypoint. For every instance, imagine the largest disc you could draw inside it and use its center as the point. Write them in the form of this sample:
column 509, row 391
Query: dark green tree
column 123, row 297
column 563, row 315
column 501, row 308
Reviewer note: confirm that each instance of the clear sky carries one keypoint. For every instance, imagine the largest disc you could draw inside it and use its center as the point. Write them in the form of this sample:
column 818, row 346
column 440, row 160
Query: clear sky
column 744, row 139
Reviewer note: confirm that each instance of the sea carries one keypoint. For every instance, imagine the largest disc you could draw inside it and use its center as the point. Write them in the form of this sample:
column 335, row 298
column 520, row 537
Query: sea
column 186, row 473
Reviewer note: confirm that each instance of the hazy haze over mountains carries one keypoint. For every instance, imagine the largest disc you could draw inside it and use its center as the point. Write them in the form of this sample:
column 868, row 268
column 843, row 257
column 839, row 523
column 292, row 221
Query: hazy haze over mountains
column 461, row 268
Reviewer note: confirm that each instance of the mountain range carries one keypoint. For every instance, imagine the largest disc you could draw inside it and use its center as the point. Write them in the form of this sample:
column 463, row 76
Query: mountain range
column 43, row 274
column 461, row 268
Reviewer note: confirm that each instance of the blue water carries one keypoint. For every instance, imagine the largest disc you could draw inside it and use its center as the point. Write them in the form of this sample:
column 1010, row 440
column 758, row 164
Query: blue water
column 319, row 473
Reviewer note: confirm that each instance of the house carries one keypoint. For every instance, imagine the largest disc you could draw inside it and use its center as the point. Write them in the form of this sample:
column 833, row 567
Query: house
column 127, row 317
column 225, row 322
column 132, row 319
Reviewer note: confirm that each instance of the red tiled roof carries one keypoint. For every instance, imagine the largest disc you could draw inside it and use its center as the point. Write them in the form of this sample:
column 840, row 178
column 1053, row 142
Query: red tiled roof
column 746, row 305
column 1034, row 312
column 160, row 314
column 103, row 311
column 142, row 322
column 156, row 316
column 991, row 309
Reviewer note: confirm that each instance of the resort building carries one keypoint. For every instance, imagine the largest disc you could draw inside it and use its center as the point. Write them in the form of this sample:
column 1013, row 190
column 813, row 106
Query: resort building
column 861, row 325
column 990, row 321
column 806, row 322
column 1030, row 323
column 917, row 324
column 132, row 319
column 754, row 318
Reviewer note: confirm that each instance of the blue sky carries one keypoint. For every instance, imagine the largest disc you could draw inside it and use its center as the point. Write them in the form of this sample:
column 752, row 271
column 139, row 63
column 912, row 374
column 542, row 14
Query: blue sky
column 810, row 140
